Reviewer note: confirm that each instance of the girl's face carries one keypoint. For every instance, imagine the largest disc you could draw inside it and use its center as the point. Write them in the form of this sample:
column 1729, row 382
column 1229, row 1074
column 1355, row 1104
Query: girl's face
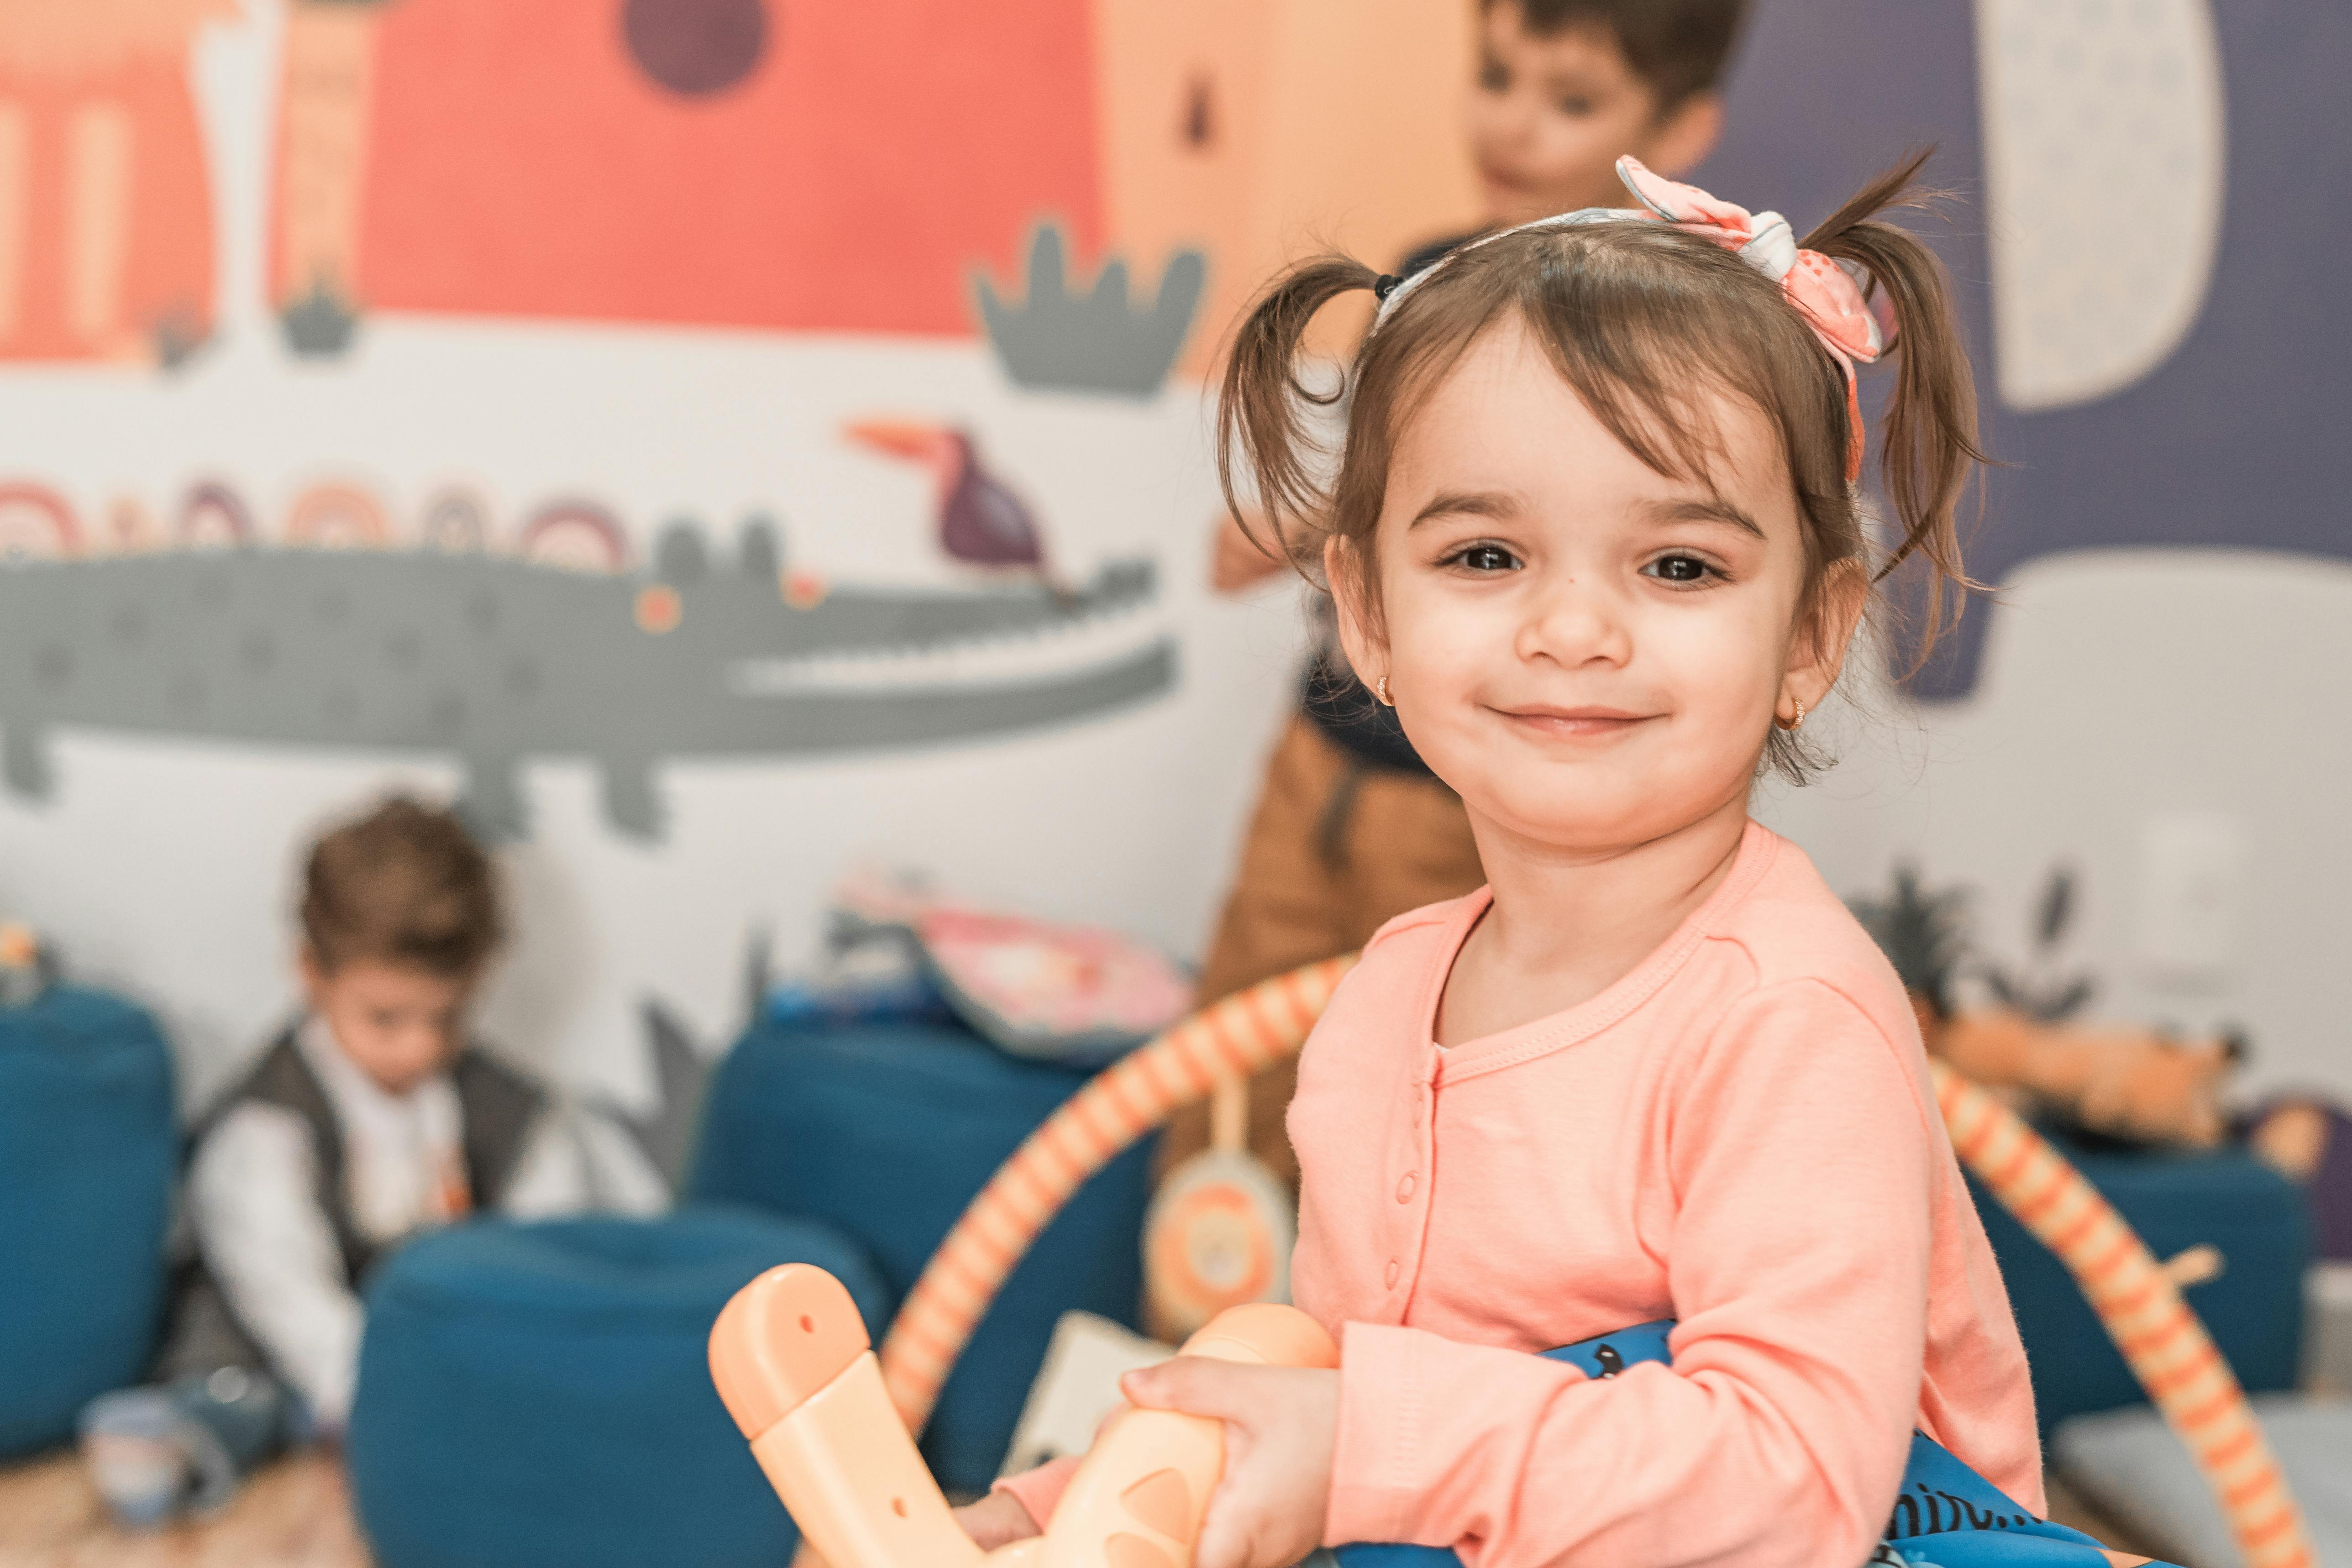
column 1589, row 653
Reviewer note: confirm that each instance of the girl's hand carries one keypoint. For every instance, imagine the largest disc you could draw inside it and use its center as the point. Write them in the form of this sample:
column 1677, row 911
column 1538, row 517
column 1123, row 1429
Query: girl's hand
column 996, row 1519
column 1281, row 1426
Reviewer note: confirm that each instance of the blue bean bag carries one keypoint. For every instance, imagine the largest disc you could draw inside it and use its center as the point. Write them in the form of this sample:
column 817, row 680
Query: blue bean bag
column 887, row 1131
column 2259, row 1220
column 88, row 1150
column 539, row 1394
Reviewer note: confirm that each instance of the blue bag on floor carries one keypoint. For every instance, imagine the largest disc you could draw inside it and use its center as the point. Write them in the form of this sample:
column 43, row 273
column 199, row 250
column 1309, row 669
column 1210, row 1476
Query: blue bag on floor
column 885, row 1132
column 88, row 1150
column 538, row 1393
column 1947, row 1516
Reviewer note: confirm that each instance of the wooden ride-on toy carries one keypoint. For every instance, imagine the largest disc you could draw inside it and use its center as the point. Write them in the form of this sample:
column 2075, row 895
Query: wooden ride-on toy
column 792, row 1361
column 817, row 1406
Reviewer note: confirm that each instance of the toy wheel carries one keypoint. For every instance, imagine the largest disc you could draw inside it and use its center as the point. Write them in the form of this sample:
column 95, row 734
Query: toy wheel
column 1219, row 1235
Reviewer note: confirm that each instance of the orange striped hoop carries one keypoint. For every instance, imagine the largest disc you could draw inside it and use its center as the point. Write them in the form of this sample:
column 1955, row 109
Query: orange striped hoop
column 1231, row 1038
column 2142, row 1311
column 2137, row 1303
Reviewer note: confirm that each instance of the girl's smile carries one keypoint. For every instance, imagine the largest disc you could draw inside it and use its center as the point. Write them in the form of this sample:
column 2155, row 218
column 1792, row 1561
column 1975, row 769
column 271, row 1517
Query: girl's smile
column 1588, row 651
column 1582, row 724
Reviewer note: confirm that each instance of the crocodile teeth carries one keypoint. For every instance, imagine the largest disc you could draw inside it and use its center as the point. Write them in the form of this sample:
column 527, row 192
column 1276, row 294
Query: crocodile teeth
column 1013, row 659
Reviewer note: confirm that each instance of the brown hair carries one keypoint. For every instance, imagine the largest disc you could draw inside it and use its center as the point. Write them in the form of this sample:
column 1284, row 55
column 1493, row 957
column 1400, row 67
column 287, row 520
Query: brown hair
column 1633, row 315
column 1677, row 46
column 404, row 884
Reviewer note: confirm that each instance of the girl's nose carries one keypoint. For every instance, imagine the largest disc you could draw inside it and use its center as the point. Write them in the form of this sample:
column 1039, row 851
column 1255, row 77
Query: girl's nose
column 1571, row 625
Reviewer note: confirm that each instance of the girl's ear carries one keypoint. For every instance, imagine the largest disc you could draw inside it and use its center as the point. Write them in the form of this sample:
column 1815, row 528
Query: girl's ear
column 1367, row 653
column 1818, row 650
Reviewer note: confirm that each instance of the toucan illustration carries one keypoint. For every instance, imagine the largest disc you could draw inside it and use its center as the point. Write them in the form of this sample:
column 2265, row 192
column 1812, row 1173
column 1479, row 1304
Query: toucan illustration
column 980, row 519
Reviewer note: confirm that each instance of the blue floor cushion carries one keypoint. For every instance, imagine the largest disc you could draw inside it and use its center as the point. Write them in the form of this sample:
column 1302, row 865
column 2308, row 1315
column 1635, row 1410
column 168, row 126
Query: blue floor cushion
column 88, row 1150
column 2129, row 1464
column 887, row 1130
column 539, row 1394
column 2254, row 1310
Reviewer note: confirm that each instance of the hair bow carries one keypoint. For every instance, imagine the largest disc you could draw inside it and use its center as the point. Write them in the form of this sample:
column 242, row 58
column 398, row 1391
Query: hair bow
column 1830, row 302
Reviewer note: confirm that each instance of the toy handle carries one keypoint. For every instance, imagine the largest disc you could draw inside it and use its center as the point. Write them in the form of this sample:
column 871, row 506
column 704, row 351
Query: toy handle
column 791, row 1362
column 1139, row 1495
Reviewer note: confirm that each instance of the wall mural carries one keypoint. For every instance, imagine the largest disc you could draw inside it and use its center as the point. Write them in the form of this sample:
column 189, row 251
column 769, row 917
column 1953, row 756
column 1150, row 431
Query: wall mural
column 2149, row 287
column 500, row 660
column 106, row 246
column 897, row 167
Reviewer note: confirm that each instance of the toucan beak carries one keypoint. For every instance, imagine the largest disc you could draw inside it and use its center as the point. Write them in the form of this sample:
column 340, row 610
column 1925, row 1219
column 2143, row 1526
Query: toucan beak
column 923, row 442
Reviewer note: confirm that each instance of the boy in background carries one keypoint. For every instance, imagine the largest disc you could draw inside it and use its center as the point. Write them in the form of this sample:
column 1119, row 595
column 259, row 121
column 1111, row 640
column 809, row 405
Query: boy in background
column 1350, row 828
column 370, row 1119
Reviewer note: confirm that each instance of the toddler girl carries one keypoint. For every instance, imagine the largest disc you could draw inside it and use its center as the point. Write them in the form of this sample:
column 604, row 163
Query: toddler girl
column 1594, row 531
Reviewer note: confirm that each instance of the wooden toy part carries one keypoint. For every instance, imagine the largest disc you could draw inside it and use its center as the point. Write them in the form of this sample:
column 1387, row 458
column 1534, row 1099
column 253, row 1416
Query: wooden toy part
column 792, row 1361
column 790, row 1357
column 1139, row 1495
column 780, row 1341
column 1267, row 1334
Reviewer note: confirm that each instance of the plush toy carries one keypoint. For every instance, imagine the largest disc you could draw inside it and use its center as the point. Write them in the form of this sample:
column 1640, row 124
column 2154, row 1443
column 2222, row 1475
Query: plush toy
column 2123, row 1082
column 2133, row 1083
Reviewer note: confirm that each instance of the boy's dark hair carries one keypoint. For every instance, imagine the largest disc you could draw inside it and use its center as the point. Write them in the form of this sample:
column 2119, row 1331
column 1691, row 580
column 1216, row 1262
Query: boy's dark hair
column 1678, row 46
column 404, row 884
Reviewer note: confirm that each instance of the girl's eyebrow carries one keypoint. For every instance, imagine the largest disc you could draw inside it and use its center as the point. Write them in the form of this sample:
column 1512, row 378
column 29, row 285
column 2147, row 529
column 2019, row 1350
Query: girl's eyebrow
column 1467, row 503
column 1700, row 509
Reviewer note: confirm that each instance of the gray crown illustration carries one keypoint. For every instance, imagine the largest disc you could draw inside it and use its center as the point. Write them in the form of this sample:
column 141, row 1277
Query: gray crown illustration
column 320, row 325
column 1057, row 340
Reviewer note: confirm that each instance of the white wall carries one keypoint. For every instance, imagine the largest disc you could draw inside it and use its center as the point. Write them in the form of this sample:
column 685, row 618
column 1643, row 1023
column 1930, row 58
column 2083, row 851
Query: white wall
column 2128, row 695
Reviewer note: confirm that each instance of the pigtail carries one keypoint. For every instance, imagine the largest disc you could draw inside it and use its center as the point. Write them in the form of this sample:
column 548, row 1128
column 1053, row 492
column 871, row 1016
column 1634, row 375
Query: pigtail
column 1928, row 440
column 1264, row 417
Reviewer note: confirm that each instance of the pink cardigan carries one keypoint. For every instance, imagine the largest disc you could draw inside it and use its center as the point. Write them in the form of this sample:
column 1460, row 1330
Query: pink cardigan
column 1739, row 1134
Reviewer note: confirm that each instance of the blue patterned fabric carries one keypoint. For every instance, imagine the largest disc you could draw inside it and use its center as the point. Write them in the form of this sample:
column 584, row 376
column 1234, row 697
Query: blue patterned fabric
column 885, row 1132
column 87, row 1150
column 539, row 1395
column 1947, row 1516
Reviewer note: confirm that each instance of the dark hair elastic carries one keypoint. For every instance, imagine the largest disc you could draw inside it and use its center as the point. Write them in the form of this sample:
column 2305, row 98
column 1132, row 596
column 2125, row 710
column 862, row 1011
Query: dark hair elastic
column 1385, row 285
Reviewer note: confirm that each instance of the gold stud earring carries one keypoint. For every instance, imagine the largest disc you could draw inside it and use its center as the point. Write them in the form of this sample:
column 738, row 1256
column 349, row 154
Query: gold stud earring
column 1380, row 689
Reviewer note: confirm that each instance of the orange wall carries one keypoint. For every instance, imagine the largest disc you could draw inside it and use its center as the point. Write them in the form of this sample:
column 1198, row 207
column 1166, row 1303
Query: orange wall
column 1335, row 123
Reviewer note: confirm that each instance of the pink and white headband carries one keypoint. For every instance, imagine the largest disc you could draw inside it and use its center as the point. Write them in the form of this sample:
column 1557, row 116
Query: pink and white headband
column 1830, row 302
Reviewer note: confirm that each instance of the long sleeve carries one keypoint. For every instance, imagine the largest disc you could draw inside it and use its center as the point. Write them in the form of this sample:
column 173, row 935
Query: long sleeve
column 257, row 1222
column 1040, row 1490
column 1801, row 1167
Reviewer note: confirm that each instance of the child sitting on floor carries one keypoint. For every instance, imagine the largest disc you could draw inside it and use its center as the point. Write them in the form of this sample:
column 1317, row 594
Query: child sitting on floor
column 370, row 1119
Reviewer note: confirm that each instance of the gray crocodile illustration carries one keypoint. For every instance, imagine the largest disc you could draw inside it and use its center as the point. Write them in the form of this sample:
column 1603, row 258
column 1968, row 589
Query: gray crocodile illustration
column 495, row 660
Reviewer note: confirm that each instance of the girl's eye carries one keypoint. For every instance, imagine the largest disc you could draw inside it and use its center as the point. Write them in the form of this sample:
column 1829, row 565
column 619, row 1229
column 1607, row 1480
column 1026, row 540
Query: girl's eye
column 1483, row 558
column 1679, row 568
column 1576, row 108
column 1494, row 77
